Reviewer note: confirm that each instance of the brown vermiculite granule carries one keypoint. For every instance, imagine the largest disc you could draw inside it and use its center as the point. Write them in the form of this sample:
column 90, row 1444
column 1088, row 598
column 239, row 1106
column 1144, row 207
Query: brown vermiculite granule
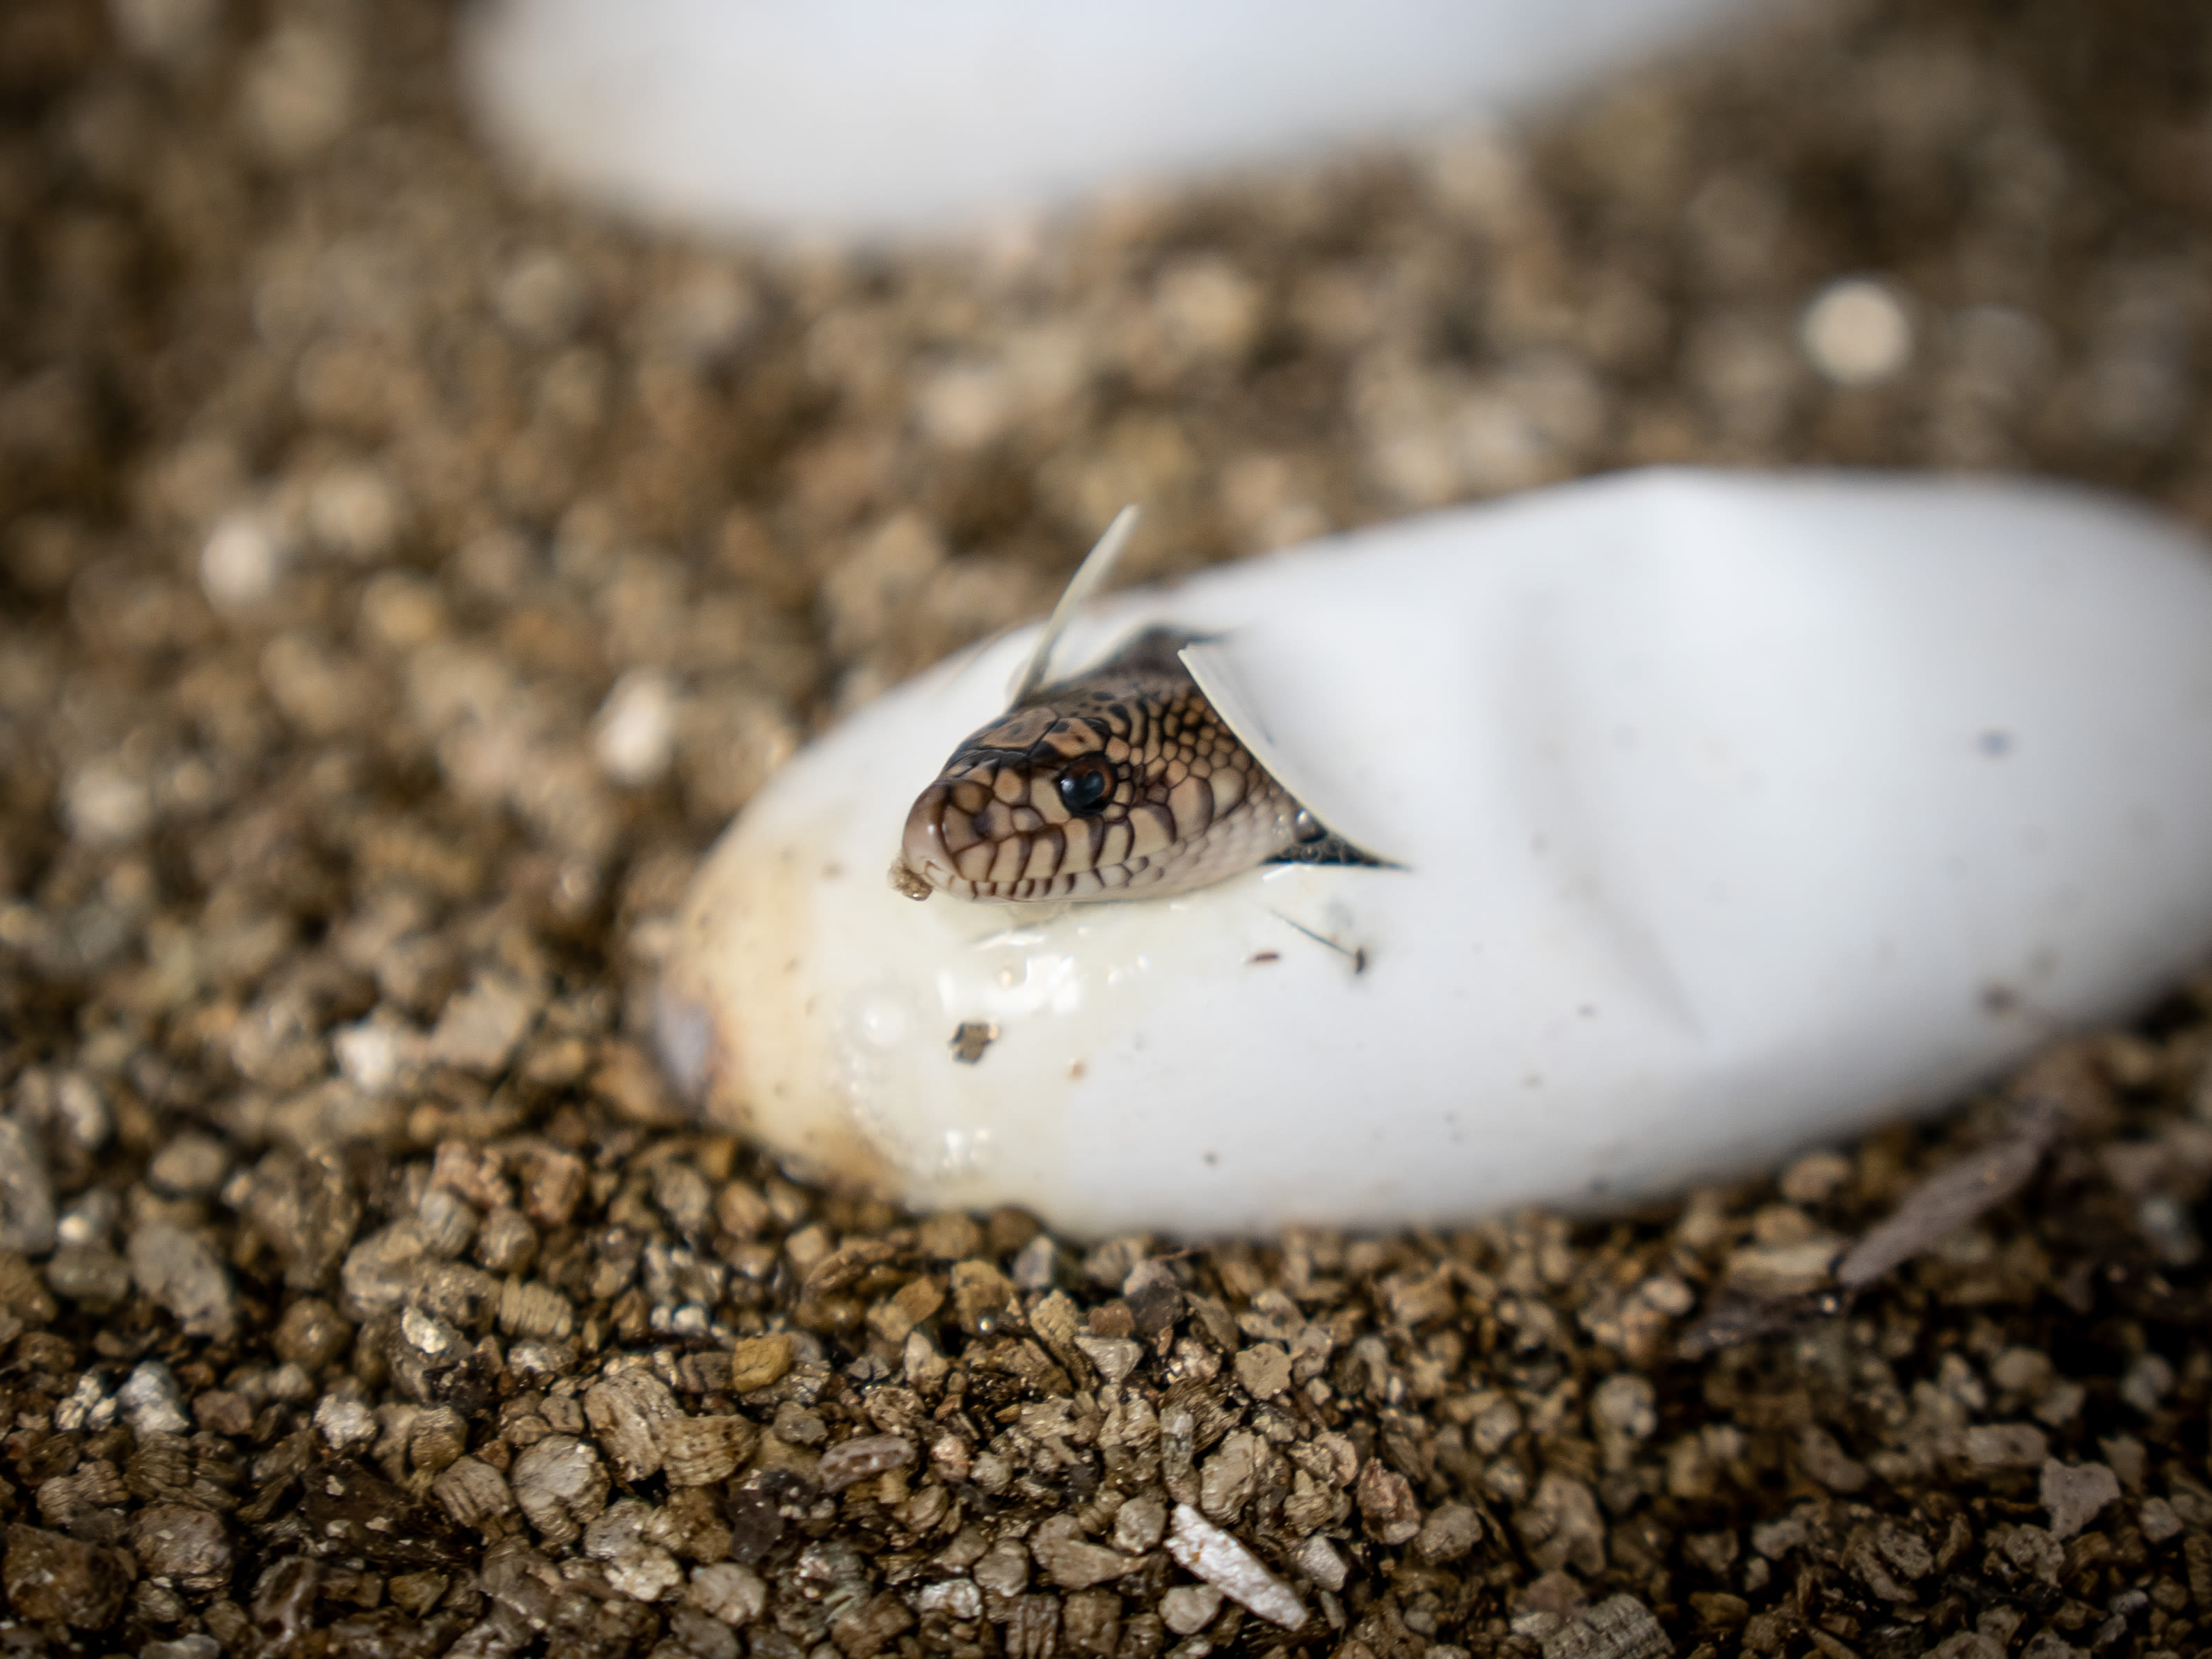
column 401, row 580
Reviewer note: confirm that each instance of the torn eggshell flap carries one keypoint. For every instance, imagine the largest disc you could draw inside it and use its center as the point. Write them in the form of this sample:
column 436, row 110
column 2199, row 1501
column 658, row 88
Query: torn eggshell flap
column 1732, row 813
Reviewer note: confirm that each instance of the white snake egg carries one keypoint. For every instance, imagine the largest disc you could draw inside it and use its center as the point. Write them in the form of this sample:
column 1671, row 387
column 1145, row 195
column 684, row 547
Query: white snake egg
column 1729, row 813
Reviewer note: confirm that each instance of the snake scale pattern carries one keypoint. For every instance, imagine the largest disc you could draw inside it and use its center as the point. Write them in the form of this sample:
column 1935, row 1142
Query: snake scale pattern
column 1121, row 783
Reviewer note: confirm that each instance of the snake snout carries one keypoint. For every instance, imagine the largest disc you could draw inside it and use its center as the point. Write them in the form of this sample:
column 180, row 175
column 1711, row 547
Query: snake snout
column 922, row 845
column 974, row 834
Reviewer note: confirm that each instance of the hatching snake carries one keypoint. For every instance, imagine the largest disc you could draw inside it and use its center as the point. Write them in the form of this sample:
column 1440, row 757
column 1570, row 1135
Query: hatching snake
column 1123, row 782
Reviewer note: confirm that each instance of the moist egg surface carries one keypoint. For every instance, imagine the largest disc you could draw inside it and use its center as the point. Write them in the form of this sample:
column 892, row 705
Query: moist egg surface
column 1726, row 814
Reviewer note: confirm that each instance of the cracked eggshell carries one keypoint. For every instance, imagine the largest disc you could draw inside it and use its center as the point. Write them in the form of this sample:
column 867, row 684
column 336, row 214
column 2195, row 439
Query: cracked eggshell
column 1735, row 813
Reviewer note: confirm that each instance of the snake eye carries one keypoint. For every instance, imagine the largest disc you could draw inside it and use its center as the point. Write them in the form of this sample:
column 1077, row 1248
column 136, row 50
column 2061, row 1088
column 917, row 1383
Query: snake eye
column 1084, row 784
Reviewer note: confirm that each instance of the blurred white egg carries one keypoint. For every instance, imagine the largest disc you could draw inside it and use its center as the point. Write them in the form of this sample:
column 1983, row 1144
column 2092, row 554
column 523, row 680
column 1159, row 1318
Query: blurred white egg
column 866, row 116
column 1736, row 813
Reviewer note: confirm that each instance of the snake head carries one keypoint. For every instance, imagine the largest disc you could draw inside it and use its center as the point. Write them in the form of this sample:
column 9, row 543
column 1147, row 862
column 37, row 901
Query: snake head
column 1122, row 783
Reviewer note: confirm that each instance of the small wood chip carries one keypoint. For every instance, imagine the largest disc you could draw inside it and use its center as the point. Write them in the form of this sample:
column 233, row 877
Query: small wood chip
column 1208, row 1553
column 759, row 1361
column 862, row 1458
column 1619, row 1627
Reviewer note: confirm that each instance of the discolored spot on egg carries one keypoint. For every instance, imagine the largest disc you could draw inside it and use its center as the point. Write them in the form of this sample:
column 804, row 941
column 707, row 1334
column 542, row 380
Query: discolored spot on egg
column 970, row 1038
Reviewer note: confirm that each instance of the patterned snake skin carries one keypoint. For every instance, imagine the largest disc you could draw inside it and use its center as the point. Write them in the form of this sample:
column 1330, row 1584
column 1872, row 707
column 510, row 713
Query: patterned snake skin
column 1121, row 783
